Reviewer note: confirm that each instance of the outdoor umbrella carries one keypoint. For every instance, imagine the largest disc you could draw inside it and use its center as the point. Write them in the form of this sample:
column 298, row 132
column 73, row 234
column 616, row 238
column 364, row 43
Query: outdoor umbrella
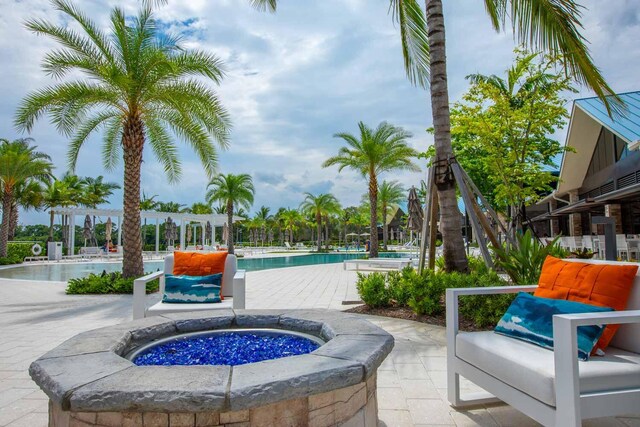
column 270, row 236
column 225, row 233
column 207, row 231
column 188, row 233
column 263, row 234
column 107, row 229
column 86, row 230
column 391, row 234
column 168, row 230
column 286, row 235
column 365, row 234
column 414, row 219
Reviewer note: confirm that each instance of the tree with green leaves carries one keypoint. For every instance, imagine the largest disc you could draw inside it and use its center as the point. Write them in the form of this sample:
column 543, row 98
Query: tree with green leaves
column 171, row 207
column 502, row 128
column 391, row 193
column 234, row 191
column 27, row 195
column 147, row 204
column 371, row 153
column 290, row 220
column 20, row 164
column 97, row 191
column 142, row 86
column 318, row 206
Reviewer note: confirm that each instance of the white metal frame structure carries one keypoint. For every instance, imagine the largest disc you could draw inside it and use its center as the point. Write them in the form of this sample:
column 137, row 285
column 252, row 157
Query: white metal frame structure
column 233, row 289
column 216, row 220
column 571, row 403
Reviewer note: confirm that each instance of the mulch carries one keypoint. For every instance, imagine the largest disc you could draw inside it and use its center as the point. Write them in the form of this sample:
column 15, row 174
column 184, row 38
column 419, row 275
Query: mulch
column 405, row 313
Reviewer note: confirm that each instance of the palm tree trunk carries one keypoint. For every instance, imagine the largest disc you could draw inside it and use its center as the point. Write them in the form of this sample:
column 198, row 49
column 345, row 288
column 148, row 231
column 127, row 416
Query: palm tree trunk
column 319, row 222
column 326, row 233
column 133, row 144
column 373, row 199
column 7, row 200
column 455, row 258
column 13, row 220
column 385, row 231
column 230, row 247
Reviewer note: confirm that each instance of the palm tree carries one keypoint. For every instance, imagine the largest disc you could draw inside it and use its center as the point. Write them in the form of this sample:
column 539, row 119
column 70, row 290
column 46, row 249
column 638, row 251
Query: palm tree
column 233, row 191
column 376, row 151
column 56, row 194
column 290, row 218
column 391, row 193
column 20, row 164
column 27, row 195
column 319, row 206
column 200, row 208
column 147, row 204
column 171, row 207
column 143, row 87
column 97, row 191
column 551, row 26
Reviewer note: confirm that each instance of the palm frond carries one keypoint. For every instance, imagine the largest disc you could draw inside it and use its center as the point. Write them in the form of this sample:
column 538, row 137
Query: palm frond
column 265, row 5
column 415, row 41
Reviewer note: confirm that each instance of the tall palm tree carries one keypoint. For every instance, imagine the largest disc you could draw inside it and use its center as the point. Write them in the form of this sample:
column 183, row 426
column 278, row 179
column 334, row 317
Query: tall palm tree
column 375, row 151
column 142, row 87
column 27, row 195
column 290, row 219
column 552, row 26
column 233, row 191
column 172, row 207
column 56, row 194
column 20, row 164
column 319, row 206
column 97, row 191
column 391, row 193
column 200, row 208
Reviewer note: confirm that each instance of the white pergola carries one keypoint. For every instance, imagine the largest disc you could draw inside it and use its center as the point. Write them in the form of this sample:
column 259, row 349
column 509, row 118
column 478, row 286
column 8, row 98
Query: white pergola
column 216, row 220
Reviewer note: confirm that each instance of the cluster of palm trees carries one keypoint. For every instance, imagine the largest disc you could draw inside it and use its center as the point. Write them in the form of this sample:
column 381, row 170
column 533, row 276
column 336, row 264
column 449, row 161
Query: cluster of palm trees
column 28, row 183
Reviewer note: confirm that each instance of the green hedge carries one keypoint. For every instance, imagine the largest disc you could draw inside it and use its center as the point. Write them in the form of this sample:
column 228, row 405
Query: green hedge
column 106, row 283
column 425, row 293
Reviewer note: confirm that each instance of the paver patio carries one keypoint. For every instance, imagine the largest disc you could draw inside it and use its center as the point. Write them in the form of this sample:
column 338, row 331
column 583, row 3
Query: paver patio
column 35, row 317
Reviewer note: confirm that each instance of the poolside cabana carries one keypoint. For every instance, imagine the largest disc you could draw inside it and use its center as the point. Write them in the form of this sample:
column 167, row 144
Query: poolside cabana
column 181, row 219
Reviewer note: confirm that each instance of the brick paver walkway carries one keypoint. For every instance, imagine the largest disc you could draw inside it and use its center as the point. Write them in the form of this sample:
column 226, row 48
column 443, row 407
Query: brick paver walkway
column 35, row 317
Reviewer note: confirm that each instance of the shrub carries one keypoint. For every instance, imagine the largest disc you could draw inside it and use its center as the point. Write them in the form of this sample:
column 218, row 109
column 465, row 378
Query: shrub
column 399, row 285
column 105, row 283
column 485, row 310
column 19, row 251
column 10, row 260
column 427, row 292
column 524, row 263
column 373, row 290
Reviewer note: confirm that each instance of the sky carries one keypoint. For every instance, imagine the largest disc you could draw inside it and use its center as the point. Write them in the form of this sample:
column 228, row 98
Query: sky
column 294, row 79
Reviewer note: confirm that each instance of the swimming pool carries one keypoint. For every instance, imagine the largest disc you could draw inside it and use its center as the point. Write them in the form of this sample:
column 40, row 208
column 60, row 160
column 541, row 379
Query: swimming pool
column 62, row 272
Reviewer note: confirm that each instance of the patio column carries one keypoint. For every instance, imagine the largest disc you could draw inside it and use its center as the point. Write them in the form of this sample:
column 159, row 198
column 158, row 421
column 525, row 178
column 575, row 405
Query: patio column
column 72, row 234
column 614, row 211
column 213, row 233
column 575, row 219
column 157, row 235
column 182, row 234
column 554, row 224
column 119, row 231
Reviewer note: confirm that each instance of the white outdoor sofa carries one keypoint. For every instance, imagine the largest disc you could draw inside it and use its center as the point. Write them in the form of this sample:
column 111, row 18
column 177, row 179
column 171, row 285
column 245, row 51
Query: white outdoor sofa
column 233, row 289
column 552, row 387
column 380, row 263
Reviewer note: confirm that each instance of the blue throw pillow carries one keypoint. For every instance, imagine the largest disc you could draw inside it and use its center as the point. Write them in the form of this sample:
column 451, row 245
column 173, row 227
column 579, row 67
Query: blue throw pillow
column 529, row 318
column 192, row 289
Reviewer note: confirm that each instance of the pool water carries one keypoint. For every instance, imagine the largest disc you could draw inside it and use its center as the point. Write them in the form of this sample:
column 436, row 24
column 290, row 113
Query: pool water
column 228, row 348
column 62, row 272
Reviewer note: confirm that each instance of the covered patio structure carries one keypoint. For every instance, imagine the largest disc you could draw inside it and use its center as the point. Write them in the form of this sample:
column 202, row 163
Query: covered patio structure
column 180, row 219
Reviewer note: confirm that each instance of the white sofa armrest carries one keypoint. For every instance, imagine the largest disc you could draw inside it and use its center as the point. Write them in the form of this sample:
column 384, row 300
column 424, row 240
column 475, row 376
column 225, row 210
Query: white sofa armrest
column 565, row 352
column 140, row 292
column 239, row 289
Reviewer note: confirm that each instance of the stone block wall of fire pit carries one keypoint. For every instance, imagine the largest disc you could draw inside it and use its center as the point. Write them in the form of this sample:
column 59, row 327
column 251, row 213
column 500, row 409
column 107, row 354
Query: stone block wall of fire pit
column 89, row 383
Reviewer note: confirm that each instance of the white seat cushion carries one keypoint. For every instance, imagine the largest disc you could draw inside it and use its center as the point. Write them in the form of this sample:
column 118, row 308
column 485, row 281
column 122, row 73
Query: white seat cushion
column 164, row 307
column 530, row 368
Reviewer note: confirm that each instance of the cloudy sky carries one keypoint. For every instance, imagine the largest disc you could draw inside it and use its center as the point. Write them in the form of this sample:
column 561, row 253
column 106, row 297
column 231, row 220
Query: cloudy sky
column 294, row 79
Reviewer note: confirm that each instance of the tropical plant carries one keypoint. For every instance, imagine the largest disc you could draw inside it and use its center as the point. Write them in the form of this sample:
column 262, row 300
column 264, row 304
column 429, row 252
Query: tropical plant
column 233, row 191
column 97, row 191
column 501, row 132
column 56, row 194
column 20, row 164
column 171, row 207
column 200, row 208
column 143, row 87
column 375, row 151
column 523, row 262
column 318, row 206
column 27, row 195
column 390, row 194
column 147, row 204
column 290, row 219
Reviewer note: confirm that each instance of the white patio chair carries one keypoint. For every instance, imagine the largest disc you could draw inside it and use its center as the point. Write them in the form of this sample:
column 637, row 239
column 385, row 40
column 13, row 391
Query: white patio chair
column 552, row 387
column 233, row 289
column 623, row 247
column 587, row 243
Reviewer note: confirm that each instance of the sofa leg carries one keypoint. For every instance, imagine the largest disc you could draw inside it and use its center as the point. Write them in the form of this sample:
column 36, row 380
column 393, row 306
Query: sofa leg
column 453, row 388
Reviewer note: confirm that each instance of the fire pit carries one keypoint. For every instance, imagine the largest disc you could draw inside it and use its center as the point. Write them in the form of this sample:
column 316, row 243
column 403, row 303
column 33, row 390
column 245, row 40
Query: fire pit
column 259, row 368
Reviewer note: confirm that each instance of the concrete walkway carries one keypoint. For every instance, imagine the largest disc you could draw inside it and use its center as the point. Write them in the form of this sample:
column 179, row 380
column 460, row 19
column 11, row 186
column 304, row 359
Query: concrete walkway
column 37, row 316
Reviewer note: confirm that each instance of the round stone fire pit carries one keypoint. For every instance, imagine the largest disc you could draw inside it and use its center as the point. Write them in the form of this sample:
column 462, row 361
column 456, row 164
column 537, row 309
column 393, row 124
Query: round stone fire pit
column 90, row 382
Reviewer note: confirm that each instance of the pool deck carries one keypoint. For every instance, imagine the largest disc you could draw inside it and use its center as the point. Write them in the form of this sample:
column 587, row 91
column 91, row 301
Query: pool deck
column 37, row 316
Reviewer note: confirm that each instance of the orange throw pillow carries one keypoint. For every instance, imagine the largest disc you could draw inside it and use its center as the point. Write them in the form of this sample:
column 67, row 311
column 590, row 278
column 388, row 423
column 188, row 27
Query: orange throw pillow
column 604, row 285
column 195, row 264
